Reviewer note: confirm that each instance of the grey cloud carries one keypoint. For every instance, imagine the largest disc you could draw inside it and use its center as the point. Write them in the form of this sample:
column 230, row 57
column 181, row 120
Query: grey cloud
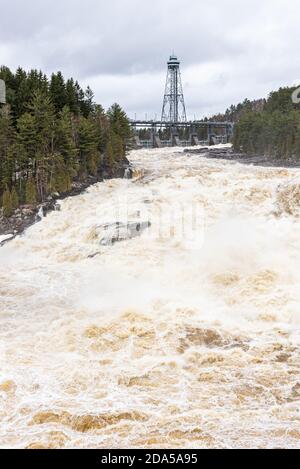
column 229, row 50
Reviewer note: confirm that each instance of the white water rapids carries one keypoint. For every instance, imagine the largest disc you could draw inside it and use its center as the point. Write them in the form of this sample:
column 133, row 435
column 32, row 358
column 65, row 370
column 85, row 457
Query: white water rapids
column 157, row 341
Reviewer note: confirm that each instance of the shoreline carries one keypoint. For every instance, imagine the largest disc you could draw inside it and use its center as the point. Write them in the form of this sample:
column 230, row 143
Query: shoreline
column 255, row 160
column 27, row 215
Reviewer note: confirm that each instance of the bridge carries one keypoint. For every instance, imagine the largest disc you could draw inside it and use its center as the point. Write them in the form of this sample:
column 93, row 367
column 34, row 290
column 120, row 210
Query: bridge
column 157, row 134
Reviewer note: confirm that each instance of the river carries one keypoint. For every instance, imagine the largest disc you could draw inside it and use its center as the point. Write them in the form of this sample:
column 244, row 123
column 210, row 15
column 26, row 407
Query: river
column 186, row 336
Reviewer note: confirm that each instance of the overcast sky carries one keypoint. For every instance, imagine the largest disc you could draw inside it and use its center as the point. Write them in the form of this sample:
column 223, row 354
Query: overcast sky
column 229, row 49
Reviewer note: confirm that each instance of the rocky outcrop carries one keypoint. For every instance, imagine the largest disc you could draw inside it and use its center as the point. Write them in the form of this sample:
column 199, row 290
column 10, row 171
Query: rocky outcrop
column 23, row 217
column 228, row 153
column 118, row 231
column 121, row 170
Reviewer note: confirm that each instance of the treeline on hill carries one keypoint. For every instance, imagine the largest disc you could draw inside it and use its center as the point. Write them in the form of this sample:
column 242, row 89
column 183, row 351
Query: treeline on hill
column 274, row 131
column 52, row 132
column 235, row 112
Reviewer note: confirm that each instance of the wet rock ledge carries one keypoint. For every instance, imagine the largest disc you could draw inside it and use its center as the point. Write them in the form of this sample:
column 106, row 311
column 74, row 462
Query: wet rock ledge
column 228, row 153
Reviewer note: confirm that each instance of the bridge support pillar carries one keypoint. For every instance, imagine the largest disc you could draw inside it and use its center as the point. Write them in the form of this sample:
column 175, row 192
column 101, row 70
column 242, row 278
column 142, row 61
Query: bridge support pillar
column 194, row 140
column 174, row 136
column 137, row 141
column 176, row 140
column 156, row 141
column 157, row 134
column 229, row 132
column 209, row 135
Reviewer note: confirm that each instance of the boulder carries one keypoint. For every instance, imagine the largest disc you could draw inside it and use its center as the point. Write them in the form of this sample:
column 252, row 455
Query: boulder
column 117, row 232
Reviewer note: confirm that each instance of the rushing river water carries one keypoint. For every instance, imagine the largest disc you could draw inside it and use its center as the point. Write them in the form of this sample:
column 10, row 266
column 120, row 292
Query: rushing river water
column 171, row 339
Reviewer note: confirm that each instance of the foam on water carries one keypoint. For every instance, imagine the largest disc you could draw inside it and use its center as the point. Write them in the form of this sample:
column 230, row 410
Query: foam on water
column 157, row 341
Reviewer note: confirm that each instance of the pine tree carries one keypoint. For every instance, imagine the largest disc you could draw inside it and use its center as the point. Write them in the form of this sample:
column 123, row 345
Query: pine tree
column 7, row 203
column 60, row 179
column 88, row 144
column 7, row 136
column 22, row 92
column 14, row 198
column 80, row 99
column 27, row 134
column 41, row 108
column 72, row 97
column 30, row 192
column 110, row 155
column 119, row 122
column 58, row 92
column 89, row 102
column 102, row 126
column 118, row 146
column 65, row 141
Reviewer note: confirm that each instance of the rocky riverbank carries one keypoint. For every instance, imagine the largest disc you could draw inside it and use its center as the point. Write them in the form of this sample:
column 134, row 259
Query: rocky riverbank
column 227, row 153
column 27, row 215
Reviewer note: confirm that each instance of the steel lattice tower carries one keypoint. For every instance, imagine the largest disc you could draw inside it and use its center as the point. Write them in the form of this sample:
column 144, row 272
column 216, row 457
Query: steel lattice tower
column 173, row 106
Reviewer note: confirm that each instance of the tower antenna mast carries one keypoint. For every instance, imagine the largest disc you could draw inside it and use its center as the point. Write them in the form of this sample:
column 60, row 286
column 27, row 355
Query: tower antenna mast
column 173, row 105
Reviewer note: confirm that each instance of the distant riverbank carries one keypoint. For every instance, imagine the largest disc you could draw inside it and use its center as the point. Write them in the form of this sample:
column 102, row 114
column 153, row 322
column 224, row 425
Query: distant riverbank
column 227, row 153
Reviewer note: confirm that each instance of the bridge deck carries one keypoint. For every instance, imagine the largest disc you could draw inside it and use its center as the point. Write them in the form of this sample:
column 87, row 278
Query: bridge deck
column 164, row 124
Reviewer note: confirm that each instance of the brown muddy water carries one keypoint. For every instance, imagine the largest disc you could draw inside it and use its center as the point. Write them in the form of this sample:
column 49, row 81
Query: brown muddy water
column 185, row 337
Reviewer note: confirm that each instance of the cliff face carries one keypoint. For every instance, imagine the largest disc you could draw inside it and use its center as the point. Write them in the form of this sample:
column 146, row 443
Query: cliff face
column 26, row 215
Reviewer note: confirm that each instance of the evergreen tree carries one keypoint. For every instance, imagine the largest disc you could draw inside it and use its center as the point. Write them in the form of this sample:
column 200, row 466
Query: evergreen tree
column 65, row 141
column 88, row 145
column 14, row 198
column 7, row 203
column 80, row 99
column 22, row 90
column 42, row 110
column 119, row 122
column 102, row 126
column 27, row 135
column 274, row 131
column 58, row 92
column 118, row 146
column 89, row 105
column 109, row 154
column 7, row 137
column 30, row 196
column 60, row 180
column 72, row 97
column 52, row 132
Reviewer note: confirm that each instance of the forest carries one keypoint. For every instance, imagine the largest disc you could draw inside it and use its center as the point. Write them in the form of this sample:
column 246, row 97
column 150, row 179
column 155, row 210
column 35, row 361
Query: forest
column 235, row 112
column 52, row 133
column 273, row 129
